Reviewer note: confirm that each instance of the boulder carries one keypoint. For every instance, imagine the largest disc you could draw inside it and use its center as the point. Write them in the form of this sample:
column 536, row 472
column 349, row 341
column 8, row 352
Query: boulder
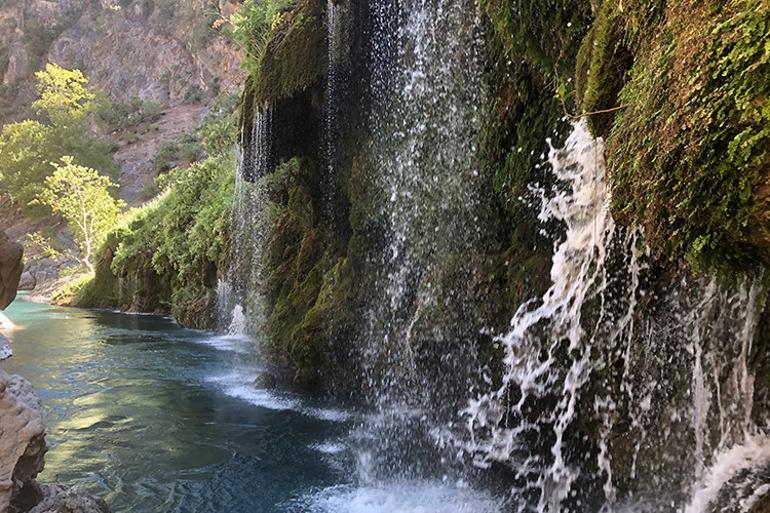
column 265, row 380
column 27, row 281
column 5, row 346
column 22, row 438
column 11, row 268
column 59, row 498
column 22, row 452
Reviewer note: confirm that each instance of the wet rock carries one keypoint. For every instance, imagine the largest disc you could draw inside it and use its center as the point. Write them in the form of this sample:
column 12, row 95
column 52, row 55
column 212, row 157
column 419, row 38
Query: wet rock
column 265, row 380
column 60, row 498
column 11, row 268
column 22, row 438
column 761, row 504
column 5, row 347
column 27, row 281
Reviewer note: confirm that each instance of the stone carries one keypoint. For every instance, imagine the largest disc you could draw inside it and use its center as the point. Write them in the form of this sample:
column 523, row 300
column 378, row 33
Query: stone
column 22, row 453
column 265, row 380
column 27, row 281
column 22, row 437
column 5, row 347
column 64, row 499
column 11, row 268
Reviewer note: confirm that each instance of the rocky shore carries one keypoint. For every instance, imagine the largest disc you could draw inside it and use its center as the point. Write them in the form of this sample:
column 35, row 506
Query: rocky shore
column 22, row 432
column 22, row 457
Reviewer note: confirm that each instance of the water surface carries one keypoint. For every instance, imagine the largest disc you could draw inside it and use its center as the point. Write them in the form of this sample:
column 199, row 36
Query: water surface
column 157, row 418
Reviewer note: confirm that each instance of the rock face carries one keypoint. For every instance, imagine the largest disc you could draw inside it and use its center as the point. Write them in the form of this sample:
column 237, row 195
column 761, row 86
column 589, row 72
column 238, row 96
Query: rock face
column 22, row 439
column 22, row 452
column 166, row 51
column 11, row 268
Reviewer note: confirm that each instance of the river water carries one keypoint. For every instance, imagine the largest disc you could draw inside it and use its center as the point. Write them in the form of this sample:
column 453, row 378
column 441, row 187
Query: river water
column 156, row 418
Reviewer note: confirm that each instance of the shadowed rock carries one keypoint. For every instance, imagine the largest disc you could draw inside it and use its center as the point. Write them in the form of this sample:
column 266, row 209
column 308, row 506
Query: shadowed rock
column 11, row 268
column 22, row 452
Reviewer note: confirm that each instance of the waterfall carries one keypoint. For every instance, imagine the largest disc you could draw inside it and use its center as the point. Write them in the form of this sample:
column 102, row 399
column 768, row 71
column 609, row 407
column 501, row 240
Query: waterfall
column 562, row 353
column 427, row 91
column 239, row 300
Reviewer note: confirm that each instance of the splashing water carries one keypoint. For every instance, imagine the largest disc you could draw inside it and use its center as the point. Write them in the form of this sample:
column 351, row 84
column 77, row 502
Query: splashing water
column 427, row 89
column 240, row 292
column 581, row 328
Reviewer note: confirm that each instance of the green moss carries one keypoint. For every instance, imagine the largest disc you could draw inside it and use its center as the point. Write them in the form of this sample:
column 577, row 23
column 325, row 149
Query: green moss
column 602, row 63
column 687, row 158
column 544, row 33
column 294, row 263
column 295, row 56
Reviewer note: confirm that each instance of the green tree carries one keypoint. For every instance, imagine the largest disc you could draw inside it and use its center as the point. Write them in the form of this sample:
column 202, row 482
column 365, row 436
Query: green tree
column 27, row 148
column 219, row 137
column 64, row 96
column 82, row 197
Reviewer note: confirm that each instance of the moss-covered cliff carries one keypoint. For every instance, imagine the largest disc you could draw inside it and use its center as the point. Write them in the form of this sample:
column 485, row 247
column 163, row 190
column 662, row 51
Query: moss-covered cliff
column 165, row 256
column 678, row 91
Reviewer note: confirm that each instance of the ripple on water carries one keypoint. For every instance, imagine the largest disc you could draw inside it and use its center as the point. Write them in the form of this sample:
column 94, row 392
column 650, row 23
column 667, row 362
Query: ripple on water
column 407, row 497
column 235, row 343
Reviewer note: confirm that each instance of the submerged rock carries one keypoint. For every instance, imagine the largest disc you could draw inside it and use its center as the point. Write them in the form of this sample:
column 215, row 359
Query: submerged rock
column 22, row 452
column 59, row 498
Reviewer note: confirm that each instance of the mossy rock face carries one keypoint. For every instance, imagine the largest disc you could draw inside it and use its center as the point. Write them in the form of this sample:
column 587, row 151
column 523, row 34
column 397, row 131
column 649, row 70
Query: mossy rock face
column 296, row 54
column 687, row 149
column 602, row 64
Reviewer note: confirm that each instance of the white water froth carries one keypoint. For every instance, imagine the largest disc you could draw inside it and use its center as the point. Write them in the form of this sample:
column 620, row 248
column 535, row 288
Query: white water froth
column 330, row 447
column 753, row 453
column 585, row 322
column 240, row 385
column 578, row 275
column 404, row 497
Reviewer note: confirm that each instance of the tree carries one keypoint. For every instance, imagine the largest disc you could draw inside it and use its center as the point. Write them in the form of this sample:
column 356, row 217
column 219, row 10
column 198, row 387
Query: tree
column 27, row 148
column 82, row 197
column 219, row 137
column 64, row 96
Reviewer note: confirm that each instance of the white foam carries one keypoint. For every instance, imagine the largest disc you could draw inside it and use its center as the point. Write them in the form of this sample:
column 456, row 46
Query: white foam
column 262, row 398
column 236, row 385
column 330, row 414
column 329, row 447
column 400, row 497
column 239, row 384
column 234, row 343
column 752, row 454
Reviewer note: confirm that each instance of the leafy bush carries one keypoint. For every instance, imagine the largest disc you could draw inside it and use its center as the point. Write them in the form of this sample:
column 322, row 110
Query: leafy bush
column 121, row 115
column 168, row 248
column 251, row 27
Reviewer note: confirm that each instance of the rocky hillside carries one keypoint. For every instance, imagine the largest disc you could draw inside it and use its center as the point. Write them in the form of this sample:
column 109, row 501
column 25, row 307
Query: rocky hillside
column 163, row 50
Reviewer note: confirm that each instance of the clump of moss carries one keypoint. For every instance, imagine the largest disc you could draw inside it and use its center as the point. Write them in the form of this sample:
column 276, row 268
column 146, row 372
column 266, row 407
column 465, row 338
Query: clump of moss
column 295, row 56
column 687, row 157
column 602, row 63
column 293, row 265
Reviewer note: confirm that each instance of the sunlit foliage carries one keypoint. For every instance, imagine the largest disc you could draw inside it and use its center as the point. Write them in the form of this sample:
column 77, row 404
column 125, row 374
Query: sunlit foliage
column 82, row 197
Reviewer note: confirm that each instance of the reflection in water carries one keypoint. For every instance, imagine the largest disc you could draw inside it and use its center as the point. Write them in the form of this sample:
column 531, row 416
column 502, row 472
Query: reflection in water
column 143, row 412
